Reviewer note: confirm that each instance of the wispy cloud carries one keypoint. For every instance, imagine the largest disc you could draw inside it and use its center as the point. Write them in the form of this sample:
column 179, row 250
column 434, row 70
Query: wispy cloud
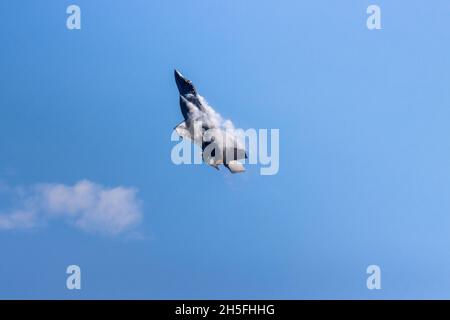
column 86, row 205
column 18, row 219
column 222, row 129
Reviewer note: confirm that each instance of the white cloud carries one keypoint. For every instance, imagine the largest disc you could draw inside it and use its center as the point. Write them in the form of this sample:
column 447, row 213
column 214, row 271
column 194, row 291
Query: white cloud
column 19, row 219
column 223, row 130
column 86, row 205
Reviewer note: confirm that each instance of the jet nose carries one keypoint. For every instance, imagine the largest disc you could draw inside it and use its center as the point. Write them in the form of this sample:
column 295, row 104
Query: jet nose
column 178, row 75
column 184, row 85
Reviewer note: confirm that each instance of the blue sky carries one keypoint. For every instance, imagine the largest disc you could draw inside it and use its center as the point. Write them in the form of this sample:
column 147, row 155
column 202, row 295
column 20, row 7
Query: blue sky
column 364, row 148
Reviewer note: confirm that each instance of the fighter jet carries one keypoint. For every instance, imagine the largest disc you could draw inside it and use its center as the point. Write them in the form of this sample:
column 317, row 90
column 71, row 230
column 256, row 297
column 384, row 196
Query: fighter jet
column 202, row 127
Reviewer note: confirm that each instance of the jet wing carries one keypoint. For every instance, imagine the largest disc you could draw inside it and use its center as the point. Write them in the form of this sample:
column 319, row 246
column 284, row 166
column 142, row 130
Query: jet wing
column 235, row 166
column 184, row 132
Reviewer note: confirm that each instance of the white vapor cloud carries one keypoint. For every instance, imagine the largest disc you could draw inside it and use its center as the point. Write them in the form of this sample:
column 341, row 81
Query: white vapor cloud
column 19, row 219
column 86, row 205
column 222, row 129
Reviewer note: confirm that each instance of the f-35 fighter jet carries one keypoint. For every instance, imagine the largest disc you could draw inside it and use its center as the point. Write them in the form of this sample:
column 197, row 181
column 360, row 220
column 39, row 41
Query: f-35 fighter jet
column 202, row 125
